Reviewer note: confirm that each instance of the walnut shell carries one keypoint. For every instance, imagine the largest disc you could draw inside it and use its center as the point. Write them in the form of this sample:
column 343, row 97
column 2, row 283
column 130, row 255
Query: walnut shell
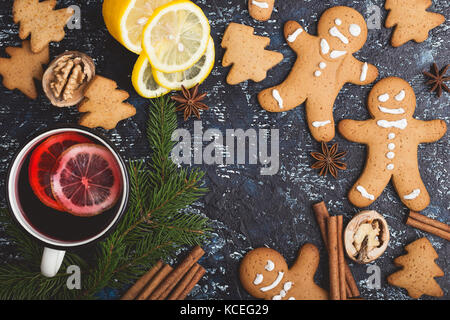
column 65, row 80
column 364, row 226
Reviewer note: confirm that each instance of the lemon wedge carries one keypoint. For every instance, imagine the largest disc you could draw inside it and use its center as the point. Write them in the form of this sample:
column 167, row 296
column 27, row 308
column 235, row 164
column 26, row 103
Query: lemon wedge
column 142, row 79
column 126, row 19
column 176, row 36
column 190, row 77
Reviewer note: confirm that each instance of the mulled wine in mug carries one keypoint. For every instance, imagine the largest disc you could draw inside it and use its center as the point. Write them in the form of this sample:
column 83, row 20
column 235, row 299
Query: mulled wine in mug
column 67, row 187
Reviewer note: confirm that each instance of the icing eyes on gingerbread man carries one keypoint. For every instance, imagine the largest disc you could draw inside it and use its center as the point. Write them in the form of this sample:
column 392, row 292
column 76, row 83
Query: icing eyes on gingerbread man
column 341, row 33
column 392, row 137
column 324, row 65
column 265, row 275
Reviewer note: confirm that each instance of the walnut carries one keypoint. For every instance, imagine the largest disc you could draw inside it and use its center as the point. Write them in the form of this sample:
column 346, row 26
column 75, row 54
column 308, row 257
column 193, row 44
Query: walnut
column 66, row 78
column 366, row 237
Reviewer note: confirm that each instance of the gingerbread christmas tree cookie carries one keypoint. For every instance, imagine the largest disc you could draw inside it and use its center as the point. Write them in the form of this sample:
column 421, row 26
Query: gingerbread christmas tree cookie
column 39, row 19
column 247, row 53
column 104, row 104
column 419, row 270
column 325, row 63
column 411, row 20
column 392, row 136
column 22, row 68
column 265, row 275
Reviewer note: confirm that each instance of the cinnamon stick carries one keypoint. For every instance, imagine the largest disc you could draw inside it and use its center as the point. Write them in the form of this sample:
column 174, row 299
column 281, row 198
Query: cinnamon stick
column 184, row 282
column 198, row 275
column 434, row 223
column 341, row 258
column 134, row 291
column 175, row 276
column 428, row 228
column 333, row 259
column 322, row 214
column 155, row 282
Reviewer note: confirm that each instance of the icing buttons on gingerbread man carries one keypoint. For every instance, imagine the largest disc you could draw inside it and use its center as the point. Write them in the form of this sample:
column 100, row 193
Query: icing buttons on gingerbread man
column 392, row 137
column 324, row 65
column 265, row 274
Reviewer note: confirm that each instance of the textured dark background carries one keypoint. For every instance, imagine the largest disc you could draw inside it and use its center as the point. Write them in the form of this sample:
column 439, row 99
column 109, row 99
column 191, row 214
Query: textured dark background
column 248, row 210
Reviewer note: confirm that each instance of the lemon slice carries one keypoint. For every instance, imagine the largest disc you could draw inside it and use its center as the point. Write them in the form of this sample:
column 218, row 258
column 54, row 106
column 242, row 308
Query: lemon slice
column 126, row 19
column 142, row 79
column 176, row 36
column 190, row 77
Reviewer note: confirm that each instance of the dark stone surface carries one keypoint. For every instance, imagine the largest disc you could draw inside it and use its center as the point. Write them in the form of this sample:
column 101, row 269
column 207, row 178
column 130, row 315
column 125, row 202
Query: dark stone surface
column 249, row 210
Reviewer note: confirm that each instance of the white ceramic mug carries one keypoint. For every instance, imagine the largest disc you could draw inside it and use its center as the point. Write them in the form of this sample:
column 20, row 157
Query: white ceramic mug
column 55, row 249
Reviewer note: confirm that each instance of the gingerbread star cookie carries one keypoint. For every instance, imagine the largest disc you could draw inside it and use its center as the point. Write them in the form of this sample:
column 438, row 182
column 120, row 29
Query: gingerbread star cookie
column 39, row 19
column 24, row 66
column 411, row 20
column 104, row 104
column 419, row 270
column 247, row 54
column 265, row 275
column 325, row 63
column 392, row 136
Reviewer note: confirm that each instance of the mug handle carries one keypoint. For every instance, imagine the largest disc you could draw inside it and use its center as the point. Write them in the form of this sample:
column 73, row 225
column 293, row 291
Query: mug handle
column 51, row 262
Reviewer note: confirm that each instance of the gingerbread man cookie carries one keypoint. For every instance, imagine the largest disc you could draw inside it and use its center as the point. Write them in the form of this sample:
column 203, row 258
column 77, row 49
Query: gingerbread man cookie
column 265, row 275
column 392, row 137
column 260, row 10
column 324, row 64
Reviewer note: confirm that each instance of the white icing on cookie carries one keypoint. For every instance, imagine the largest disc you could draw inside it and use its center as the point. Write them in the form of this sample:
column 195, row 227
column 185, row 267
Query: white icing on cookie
column 270, row 265
column 286, row 287
column 384, row 97
column 365, row 68
column 391, row 136
column 338, row 22
column 400, row 96
column 336, row 33
column 318, row 73
column 391, row 146
column 260, row 4
column 412, row 195
column 364, row 193
column 318, row 124
column 391, row 111
column 259, row 279
column 275, row 283
column 336, row 54
column 390, row 166
column 322, row 65
column 277, row 97
column 401, row 124
column 325, row 47
column 292, row 37
column 390, row 155
column 354, row 30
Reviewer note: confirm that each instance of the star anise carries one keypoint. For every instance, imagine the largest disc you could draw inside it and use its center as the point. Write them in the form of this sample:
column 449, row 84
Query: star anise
column 190, row 102
column 437, row 79
column 328, row 160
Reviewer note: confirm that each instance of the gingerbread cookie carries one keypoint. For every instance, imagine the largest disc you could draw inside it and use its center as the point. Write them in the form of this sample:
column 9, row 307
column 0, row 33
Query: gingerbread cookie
column 419, row 270
column 411, row 20
column 245, row 51
column 39, row 19
column 261, row 10
column 392, row 137
column 24, row 66
column 104, row 104
column 324, row 64
column 265, row 275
